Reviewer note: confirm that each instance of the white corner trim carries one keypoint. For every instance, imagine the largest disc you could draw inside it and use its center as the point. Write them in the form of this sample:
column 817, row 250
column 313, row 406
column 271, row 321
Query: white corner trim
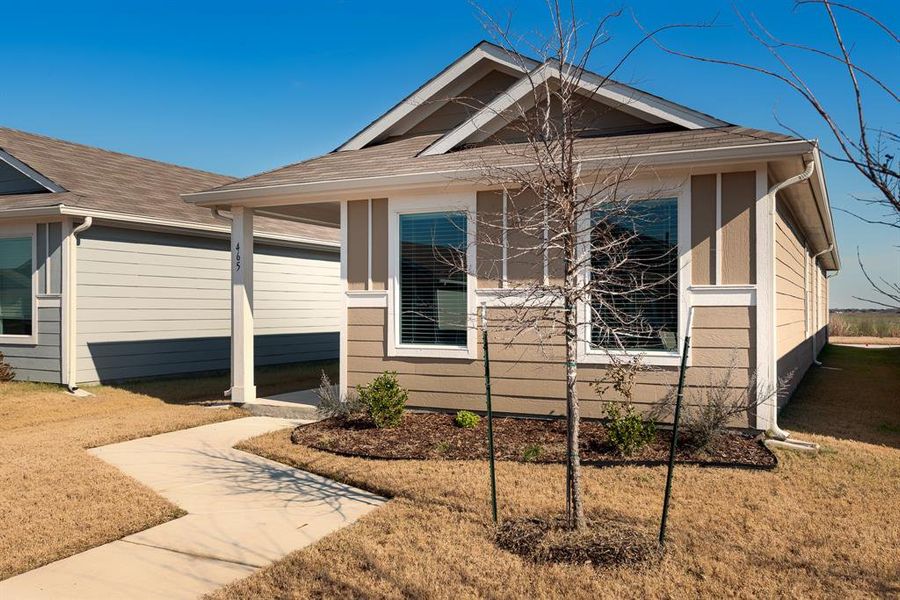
column 427, row 91
column 448, row 202
column 723, row 295
column 367, row 299
column 30, row 173
column 766, row 370
column 717, row 251
column 343, row 369
column 369, row 246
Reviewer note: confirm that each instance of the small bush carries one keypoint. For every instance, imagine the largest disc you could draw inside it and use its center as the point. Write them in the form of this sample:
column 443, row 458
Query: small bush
column 466, row 419
column 532, row 452
column 332, row 405
column 7, row 373
column 384, row 400
column 628, row 432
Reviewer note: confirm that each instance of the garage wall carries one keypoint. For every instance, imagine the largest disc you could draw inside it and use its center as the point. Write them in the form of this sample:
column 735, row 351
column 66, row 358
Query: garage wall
column 154, row 303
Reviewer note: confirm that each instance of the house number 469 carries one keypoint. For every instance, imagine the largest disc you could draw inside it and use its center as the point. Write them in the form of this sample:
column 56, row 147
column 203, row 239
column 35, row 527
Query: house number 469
column 237, row 257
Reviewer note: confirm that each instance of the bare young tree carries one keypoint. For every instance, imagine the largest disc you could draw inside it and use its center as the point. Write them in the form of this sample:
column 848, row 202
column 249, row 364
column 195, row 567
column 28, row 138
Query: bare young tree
column 867, row 140
column 594, row 274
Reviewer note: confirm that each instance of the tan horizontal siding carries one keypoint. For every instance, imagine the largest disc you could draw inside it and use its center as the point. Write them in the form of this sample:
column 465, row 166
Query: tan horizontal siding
column 529, row 377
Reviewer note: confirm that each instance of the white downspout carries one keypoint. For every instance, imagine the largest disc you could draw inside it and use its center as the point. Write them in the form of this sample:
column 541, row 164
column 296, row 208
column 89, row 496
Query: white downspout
column 774, row 431
column 818, row 299
column 71, row 292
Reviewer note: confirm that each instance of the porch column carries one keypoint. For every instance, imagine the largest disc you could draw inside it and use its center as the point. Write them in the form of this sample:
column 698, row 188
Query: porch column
column 243, row 390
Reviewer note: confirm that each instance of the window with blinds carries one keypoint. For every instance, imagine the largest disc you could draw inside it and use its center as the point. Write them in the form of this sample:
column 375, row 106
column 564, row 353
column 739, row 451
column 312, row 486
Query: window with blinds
column 433, row 279
column 15, row 286
column 622, row 315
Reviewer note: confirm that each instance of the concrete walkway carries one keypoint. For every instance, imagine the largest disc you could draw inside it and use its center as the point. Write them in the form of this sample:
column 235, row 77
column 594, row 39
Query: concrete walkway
column 244, row 512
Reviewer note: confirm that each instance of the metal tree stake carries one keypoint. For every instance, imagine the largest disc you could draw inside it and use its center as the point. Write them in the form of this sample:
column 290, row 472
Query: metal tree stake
column 490, row 413
column 678, row 399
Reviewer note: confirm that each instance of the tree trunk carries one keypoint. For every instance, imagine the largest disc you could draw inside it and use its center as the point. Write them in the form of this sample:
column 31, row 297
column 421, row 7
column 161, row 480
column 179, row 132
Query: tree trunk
column 574, row 420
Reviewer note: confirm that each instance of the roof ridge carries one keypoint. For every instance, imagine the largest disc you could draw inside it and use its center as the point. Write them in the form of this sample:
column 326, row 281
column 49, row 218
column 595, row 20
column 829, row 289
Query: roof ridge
column 116, row 152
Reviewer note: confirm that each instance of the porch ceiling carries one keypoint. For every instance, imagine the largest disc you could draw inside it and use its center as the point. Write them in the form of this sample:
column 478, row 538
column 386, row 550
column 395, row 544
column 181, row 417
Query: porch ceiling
column 318, row 213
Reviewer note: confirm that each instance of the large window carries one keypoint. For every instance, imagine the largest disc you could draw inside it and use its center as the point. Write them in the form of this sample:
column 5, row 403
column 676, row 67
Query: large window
column 638, row 309
column 15, row 286
column 433, row 279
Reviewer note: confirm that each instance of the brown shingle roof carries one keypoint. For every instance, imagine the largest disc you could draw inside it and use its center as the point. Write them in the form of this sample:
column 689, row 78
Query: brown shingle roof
column 108, row 181
column 401, row 157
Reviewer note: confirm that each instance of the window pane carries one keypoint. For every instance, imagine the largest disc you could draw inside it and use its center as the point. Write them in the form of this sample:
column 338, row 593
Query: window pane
column 433, row 279
column 646, row 318
column 15, row 286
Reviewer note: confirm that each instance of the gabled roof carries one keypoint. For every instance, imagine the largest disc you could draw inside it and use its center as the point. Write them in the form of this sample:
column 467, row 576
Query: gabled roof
column 91, row 179
column 453, row 79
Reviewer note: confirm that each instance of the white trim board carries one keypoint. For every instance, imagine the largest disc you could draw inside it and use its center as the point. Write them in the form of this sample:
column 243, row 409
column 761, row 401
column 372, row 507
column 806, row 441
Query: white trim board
column 418, row 101
column 489, row 119
column 367, row 299
column 723, row 295
column 452, row 202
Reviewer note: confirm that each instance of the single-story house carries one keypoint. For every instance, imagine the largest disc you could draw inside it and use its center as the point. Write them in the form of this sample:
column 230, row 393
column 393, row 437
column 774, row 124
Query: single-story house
column 106, row 274
column 748, row 215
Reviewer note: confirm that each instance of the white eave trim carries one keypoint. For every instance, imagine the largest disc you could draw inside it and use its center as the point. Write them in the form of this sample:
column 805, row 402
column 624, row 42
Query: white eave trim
column 820, row 193
column 422, row 95
column 62, row 209
column 616, row 94
column 30, row 173
column 329, row 190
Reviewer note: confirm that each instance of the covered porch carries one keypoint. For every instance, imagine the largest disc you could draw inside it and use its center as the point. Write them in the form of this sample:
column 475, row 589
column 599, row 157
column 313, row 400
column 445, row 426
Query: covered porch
column 243, row 387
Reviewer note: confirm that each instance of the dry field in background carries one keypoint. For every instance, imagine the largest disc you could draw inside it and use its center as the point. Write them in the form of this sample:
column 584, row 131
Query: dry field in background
column 56, row 499
column 866, row 323
column 815, row 527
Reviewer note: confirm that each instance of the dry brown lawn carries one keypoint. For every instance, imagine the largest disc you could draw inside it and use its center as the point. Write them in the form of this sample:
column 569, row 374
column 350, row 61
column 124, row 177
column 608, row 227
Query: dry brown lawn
column 56, row 499
column 815, row 527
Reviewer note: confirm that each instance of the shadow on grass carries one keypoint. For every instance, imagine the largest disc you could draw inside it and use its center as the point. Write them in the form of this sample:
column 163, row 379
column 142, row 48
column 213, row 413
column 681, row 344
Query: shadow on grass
column 854, row 395
column 210, row 387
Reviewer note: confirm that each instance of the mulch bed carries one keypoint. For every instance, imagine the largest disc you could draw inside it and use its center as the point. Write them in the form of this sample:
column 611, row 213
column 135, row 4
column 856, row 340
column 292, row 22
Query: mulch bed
column 602, row 543
column 435, row 436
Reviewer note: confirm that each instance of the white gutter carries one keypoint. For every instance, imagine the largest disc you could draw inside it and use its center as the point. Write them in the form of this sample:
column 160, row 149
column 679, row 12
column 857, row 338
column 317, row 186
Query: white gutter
column 325, row 190
column 71, row 297
column 774, row 431
column 61, row 209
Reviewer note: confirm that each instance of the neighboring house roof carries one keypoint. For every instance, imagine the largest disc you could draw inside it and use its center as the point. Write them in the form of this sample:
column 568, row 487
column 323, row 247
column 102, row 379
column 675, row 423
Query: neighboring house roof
column 88, row 179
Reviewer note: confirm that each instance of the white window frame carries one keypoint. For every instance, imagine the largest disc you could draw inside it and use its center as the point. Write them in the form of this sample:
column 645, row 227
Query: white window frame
column 21, row 231
column 430, row 203
column 655, row 189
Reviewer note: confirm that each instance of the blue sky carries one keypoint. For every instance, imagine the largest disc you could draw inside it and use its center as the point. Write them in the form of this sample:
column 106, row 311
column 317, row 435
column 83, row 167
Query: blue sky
column 239, row 87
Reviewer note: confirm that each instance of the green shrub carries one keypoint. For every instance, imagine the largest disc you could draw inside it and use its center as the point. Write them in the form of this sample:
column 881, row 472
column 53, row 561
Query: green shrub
column 532, row 452
column 384, row 400
column 627, row 430
column 466, row 419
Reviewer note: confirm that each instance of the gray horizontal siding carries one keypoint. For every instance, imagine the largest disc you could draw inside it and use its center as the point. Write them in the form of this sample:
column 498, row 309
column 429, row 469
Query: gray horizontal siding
column 39, row 362
column 156, row 304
